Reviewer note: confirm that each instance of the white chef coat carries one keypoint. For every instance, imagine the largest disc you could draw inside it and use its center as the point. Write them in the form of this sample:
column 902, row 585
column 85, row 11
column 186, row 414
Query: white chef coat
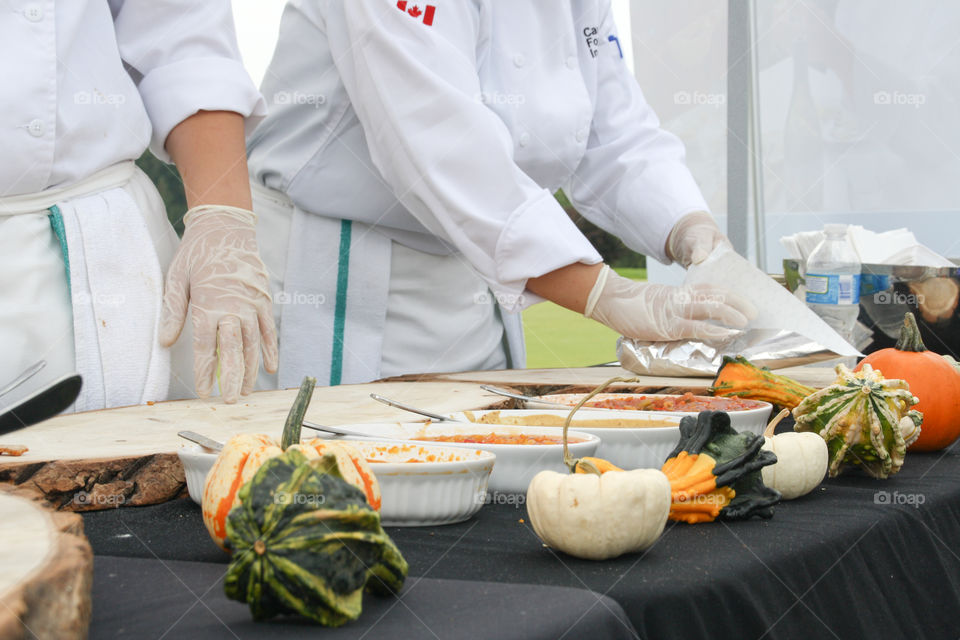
column 69, row 107
column 87, row 85
column 451, row 123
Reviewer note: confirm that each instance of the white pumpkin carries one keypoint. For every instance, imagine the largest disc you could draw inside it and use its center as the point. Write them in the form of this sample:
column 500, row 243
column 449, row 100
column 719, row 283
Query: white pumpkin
column 802, row 460
column 599, row 516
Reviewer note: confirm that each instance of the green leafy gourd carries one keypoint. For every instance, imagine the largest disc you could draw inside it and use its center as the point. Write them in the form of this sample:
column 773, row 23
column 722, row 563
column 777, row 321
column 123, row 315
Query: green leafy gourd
column 866, row 420
column 307, row 542
column 715, row 470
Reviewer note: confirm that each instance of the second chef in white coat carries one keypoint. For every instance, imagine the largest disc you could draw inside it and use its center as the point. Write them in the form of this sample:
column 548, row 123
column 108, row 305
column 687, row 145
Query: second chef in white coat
column 404, row 177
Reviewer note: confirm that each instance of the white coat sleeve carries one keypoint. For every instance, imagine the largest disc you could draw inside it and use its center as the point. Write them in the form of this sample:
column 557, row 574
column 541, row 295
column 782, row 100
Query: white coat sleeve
column 447, row 157
column 633, row 181
column 183, row 54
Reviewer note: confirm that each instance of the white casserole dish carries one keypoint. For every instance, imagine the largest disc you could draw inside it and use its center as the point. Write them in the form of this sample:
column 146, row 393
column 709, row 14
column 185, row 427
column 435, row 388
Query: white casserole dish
column 448, row 485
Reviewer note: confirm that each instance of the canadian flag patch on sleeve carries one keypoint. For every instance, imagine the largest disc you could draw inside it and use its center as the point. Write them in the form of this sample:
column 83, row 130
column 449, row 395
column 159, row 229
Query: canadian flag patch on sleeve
column 413, row 10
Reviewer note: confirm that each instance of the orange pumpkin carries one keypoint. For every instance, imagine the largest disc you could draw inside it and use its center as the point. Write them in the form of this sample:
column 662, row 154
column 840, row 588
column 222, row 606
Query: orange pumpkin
column 932, row 380
column 243, row 454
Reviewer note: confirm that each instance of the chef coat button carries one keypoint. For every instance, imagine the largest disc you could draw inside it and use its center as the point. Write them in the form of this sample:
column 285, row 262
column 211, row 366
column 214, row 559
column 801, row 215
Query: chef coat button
column 33, row 12
column 35, row 128
column 582, row 135
column 572, row 63
column 519, row 60
column 524, row 139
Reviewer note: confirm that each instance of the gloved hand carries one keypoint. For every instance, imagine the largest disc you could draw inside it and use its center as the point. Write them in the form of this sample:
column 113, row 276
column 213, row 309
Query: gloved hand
column 656, row 312
column 218, row 272
column 694, row 237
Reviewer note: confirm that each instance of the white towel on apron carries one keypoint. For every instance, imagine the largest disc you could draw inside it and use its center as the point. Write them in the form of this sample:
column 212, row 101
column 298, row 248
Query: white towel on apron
column 325, row 257
column 115, row 287
column 336, row 278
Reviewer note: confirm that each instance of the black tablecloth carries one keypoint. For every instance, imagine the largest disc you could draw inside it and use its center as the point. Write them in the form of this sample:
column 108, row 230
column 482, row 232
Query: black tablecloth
column 150, row 598
column 857, row 558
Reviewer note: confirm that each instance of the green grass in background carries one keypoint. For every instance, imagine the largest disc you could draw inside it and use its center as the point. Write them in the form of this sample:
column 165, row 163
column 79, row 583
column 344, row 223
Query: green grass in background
column 557, row 337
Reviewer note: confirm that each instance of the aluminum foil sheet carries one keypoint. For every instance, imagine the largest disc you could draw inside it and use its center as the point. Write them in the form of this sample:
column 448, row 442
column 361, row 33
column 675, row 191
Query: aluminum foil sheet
column 697, row 359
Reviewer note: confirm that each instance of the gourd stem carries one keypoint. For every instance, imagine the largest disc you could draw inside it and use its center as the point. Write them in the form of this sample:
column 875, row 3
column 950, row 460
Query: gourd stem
column 768, row 432
column 910, row 335
column 294, row 423
column 567, row 459
column 588, row 466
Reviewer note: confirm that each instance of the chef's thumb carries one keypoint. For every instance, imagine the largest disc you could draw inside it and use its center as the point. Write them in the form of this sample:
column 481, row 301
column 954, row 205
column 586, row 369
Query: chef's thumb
column 698, row 255
column 174, row 311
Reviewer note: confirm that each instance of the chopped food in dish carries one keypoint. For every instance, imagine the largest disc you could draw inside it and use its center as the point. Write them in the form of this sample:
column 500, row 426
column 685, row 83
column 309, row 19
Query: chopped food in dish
column 551, row 420
column 413, row 454
column 12, row 449
column 686, row 402
column 498, row 438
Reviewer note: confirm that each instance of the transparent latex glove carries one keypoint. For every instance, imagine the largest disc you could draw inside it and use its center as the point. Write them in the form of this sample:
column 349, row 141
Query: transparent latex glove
column 217, row 271
column 657, row 312
column 694, row 237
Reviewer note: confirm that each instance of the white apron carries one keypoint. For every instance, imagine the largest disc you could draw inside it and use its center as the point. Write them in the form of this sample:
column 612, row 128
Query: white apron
column 81, row 288
column 353, row 305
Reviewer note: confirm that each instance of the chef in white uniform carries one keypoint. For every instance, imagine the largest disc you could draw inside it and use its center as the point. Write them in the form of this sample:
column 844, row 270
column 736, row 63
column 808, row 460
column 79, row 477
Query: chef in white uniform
column 404, row 184
column 84, row 236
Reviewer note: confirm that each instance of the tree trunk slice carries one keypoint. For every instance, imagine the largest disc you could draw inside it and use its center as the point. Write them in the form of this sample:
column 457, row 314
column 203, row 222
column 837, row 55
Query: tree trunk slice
column 93, row 484
column 936, row 298
column 128, row 456
column 577, row 380
column 46, row 570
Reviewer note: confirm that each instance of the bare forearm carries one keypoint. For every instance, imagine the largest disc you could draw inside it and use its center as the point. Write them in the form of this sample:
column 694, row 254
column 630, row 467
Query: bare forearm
column 210, row 152
column 567, row 286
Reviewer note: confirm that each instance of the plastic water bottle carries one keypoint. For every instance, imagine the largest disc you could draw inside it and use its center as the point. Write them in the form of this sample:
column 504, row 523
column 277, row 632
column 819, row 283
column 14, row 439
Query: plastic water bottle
column 833, row 281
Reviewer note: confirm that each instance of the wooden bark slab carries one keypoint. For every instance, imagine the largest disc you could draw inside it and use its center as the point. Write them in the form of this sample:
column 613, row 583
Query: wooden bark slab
column 537, row 381
column 127, row 456
column 46, row 570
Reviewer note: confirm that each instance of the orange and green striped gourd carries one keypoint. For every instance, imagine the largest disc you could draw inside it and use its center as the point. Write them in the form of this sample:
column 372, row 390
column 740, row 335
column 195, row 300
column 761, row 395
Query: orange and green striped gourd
column 740, row 378
column 305, row 541
column 244, row 454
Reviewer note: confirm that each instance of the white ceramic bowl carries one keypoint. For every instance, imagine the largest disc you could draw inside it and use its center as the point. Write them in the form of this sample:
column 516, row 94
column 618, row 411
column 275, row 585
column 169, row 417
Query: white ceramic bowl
column 752, row 420
column 643, row 446
column 516, row 463
column 197, row 462
column 448, row 485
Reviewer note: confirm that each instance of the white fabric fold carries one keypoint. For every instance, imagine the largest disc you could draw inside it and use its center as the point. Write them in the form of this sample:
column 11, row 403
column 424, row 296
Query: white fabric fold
column 116, row 281
column 116, row 285
column 334, row 268
column 315, row 283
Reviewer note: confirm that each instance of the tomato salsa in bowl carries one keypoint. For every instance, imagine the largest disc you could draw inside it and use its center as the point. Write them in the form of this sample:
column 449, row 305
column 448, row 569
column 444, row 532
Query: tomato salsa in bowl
column 499, row 438
column 686, row 402
column 749, row 415
column 515, row 464
column 628, row 439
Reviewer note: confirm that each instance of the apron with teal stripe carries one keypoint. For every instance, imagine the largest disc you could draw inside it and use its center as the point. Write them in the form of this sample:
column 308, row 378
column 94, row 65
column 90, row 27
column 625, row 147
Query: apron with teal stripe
column 340, row 310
